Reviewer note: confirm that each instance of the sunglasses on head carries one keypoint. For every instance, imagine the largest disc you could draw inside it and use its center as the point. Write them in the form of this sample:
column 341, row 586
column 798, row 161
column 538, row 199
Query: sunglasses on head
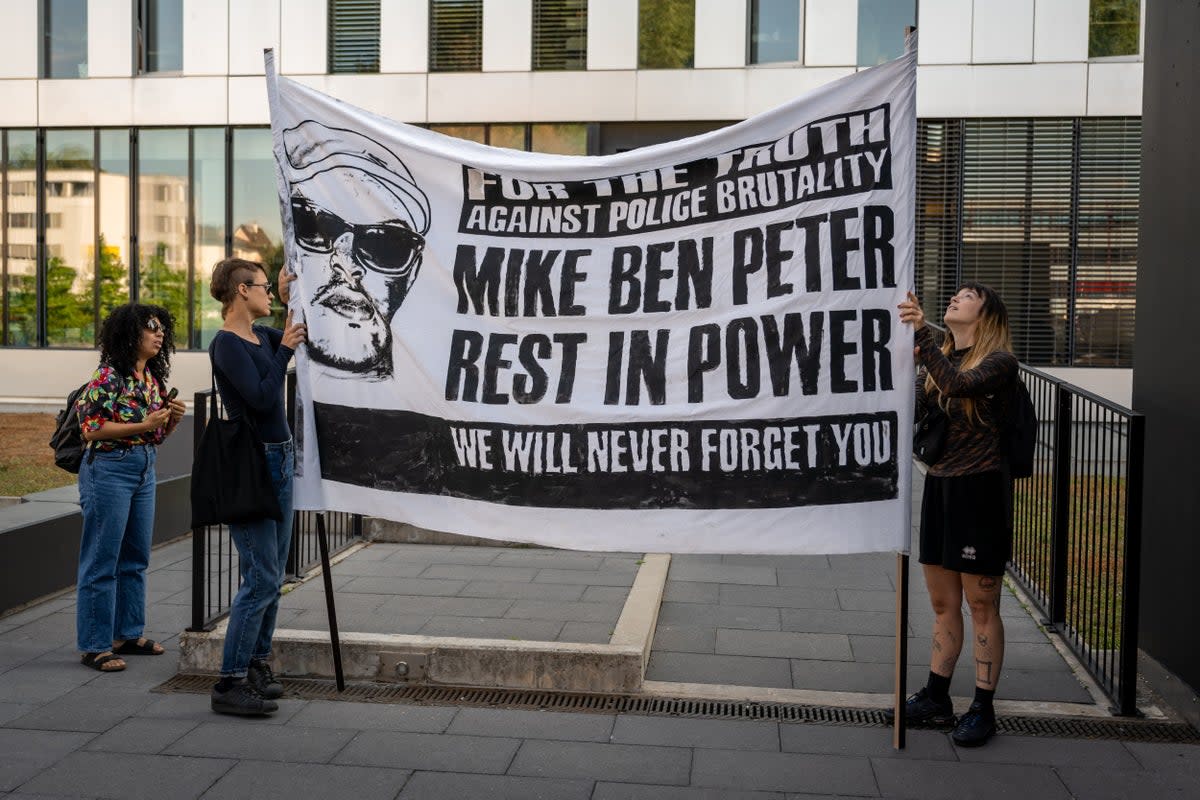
column 390, row 248
column 153, row 325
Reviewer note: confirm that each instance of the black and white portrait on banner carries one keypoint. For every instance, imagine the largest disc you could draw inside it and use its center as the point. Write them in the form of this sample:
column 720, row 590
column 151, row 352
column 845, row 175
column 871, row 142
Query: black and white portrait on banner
column 691, row 347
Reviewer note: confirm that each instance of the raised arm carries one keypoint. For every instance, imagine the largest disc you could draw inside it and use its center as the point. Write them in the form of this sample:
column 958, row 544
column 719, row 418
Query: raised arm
column 260, row 392
column 996, row 371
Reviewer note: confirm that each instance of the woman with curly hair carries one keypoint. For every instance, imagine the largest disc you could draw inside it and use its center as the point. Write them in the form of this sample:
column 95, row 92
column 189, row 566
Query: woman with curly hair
column 124, row 413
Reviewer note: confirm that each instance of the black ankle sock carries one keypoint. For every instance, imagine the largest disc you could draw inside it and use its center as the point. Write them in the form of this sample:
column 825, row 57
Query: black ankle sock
column 938, row 686
column 984, row 698
column 227, row 682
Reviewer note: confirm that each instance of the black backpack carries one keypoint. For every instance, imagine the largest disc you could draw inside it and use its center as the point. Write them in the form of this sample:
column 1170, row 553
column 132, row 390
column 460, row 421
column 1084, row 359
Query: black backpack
column 67, row 441
column 1021, row 431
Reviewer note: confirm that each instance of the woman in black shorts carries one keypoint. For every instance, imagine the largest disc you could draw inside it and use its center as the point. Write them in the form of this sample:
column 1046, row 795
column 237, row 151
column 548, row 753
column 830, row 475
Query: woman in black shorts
column 966, row 510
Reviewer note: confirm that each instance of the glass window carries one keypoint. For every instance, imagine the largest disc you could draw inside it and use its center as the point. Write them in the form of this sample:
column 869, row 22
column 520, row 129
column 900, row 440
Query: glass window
column 160, row 35
column 1114, row 28
column 257, row 231
column 64, row 50
column 666, row 34
column 114, row 198
column 472, row 133
column 208, row 192
column 774, row 31
column 510, row 136
column 568, row 139
column 560, row 34
column 455, row 35
column 70, row 240
column 354, row 35
column 881, row 25
column 20, row 256
column 162, row 222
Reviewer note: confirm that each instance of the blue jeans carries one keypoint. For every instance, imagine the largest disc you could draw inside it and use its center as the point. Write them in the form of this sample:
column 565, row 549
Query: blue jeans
column 116, row 494
column 262, row 558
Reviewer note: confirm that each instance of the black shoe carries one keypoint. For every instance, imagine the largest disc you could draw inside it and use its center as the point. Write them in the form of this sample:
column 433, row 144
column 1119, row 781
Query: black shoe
column 921, row 709
column 260, row 676
column 975, row 727
column 242, row 699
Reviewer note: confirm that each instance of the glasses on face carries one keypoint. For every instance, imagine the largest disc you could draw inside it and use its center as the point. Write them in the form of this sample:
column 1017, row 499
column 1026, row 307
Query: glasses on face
column 268, row 286
column 154, row 326
column 390, row 248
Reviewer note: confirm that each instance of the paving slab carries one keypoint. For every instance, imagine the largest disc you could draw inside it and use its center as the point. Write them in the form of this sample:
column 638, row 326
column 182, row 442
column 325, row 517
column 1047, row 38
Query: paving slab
column 784, row 644
column 448, row 786
column 810, row 620
column 287, row 743
column 424, row 587
column 586, row 632
column 596, row 594
column 795, row 737
column 579, row 577
column 689, row 732
column 564, row 611
column 424, row 751
column 141, row 735
column 941, row 780
column 554, row 725
column 783, row 772
column 612, row 762
column 685, row 639
column 640, row 791
column 126, row 775
column 1009, row 749
column 519, row 590
column 692, row 592
column 736, row 670
column 722, row 573
column 527, row 630
column 1117, row 784
column 763, row 618
column 87, row 708
column 265, row 780
column 374, row 716
column 778, row 596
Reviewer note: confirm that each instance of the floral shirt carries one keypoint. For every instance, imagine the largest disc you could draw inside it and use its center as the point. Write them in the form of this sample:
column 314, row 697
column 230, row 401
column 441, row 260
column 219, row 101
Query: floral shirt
column 111, row 397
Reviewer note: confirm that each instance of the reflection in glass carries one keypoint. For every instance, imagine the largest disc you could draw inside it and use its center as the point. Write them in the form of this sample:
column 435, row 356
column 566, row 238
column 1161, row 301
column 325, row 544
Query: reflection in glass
column 20, row 285
column 666, row 34
column 208, row 191
column 455, row 35
column 70, row 215
column 65, row 38
column 257, row 233
column 1114, row 28
column 472, row 133
column 881, row 25
column 569, row 139
column 162, row 221
column 560, row 34
column 774, row 31
column 510, row 136
column 160, row 32
column 113, row 197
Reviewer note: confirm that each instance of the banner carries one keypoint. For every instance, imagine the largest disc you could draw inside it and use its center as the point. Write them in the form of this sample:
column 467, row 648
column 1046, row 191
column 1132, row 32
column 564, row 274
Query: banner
column 691, row 347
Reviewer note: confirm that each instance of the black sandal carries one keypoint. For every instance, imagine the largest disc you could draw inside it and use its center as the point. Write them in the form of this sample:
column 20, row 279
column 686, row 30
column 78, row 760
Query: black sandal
column 97, row 661
column 130, row 647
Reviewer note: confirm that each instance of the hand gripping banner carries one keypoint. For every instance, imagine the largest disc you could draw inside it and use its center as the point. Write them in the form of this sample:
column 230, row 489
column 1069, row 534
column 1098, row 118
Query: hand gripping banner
column 691, row 347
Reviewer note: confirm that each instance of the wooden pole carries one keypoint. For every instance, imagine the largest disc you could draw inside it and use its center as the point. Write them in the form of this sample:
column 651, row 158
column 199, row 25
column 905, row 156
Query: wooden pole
column 334, row 641
column 899, row 723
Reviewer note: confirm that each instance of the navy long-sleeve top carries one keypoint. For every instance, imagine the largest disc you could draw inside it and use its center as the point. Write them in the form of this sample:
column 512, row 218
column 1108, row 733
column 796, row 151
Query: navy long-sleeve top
column 251, row 377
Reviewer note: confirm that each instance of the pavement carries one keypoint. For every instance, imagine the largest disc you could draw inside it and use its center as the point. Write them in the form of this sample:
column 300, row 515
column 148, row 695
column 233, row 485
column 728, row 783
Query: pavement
column 782, row 622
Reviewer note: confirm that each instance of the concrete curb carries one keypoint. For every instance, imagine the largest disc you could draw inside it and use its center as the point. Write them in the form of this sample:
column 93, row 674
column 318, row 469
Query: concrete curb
column 618, row 666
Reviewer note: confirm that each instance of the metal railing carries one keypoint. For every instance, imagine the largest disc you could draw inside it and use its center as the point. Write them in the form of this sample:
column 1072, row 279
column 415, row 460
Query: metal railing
column 216, row 572
column 1077, row 521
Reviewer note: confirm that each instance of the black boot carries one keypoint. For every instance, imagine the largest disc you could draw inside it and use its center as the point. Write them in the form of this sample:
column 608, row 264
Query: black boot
column 240, row 698
column 260, row 676
column 923, row 709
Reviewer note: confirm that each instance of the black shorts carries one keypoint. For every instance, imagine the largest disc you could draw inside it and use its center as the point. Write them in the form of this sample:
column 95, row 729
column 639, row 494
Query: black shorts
column 966, row 522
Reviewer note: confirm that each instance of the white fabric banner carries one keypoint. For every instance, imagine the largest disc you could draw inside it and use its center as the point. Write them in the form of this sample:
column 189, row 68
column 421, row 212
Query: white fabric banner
column 692, row 347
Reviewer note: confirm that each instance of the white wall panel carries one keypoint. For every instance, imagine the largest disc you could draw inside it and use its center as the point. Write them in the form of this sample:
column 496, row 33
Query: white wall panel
column 19, row 56
column 18, row 102
column 400, row 97
column 686, row 94
column 1060, row 30
column 1002, row 31
column 248, row 101
column 1018, row 90
column 205, row 37
column 110, row 38
column 253, row 26
column 945, row 32
column 720, row 34
column 403, row 35
column 612, row 34
column 96, row 101
column 1115, row 89
column 768, row 88
column 304, row 37
column 480, row 97
column 831, row 33
column 180, row 101
column 603, row 96
column 507, row 35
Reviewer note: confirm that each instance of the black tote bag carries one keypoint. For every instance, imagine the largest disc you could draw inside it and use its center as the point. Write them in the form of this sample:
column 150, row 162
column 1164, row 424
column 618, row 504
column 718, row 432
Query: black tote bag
column 231, row 482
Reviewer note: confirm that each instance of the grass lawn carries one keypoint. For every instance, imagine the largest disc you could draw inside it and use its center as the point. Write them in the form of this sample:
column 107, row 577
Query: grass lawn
column 26, row 460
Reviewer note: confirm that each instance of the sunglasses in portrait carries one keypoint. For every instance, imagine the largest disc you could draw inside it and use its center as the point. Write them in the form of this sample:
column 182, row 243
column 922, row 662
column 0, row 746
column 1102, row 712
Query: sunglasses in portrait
column 390, row 248
column 153, row 325
column 268, row 286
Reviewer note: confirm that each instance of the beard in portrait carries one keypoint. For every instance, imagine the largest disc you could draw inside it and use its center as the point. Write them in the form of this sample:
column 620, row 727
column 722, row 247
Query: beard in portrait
column 358, row 222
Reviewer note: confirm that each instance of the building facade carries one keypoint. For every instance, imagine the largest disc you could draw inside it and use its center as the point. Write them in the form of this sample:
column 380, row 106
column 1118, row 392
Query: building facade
column 134, row 152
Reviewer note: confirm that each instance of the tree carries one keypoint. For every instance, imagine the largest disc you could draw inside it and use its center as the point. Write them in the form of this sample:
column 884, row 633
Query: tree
column 165, row 285
column 69, row 316
column 114, row 278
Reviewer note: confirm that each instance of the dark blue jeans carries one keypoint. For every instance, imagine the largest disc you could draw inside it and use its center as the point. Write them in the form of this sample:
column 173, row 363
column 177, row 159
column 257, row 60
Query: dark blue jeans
column 116, row 495
column 262, row 558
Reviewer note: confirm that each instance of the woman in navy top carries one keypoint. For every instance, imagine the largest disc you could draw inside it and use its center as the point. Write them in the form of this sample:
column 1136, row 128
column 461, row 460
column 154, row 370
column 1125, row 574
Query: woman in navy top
column 250, row 365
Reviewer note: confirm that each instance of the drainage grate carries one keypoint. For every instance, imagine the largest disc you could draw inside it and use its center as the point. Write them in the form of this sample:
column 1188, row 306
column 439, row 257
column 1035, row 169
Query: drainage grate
column 1058, row 727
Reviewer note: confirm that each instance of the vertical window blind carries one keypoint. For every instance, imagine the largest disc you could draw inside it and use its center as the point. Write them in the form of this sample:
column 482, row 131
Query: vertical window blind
column 455, row 35
column 354, row 35
column 559, row 34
